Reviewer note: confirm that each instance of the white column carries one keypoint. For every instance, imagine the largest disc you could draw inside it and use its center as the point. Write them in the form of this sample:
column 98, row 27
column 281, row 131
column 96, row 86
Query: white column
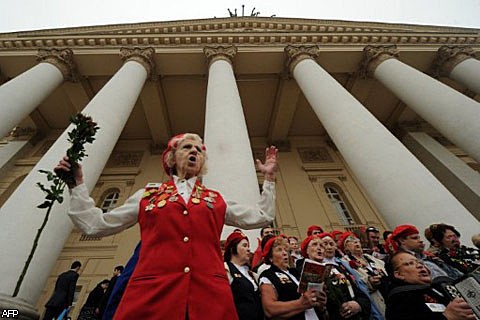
column 467, row 73
column 403, row 190
column 462, row 181
column 459, row 64
column 21, row 95
column 19, row 217
column 231, row 168
column 450, row 112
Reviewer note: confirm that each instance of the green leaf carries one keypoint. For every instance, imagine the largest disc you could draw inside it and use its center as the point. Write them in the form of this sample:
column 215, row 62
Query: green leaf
column 44, row 205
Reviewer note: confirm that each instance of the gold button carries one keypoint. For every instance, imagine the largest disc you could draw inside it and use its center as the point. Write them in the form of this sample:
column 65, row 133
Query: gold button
column 186, row 270
column 185, row 239
column 185, row 212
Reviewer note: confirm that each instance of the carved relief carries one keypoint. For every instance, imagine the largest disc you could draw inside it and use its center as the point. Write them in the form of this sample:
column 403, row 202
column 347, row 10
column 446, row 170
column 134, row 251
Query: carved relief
column 219, row 52
column 295, row 54
column 142, row 56
column 373, row 56
column 19, row 132
column 315, row 154
column 63, row 60
column 125, row 159
column 448, row 57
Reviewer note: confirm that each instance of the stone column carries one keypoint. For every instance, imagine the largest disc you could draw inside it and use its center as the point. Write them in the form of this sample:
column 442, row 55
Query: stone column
column 450, row 112
column 231, row 168
column 462, row 181
column 402, row 189
column 459, row 64
column 21, row 95
column 19, row 217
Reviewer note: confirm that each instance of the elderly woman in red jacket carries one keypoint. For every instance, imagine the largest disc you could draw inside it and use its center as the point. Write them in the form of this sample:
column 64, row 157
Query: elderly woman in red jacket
column 180, row 273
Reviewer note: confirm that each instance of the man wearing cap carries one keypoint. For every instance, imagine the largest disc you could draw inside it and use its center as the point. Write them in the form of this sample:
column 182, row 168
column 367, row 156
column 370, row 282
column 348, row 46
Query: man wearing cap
column 373, row 238
column 408, row 240
column 180, row 273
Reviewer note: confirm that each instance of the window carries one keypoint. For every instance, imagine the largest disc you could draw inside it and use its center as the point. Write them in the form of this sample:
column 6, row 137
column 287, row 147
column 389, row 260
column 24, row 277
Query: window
column 110, row 199
column 339, row 205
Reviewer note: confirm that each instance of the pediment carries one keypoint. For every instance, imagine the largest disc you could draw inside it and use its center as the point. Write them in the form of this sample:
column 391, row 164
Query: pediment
column 246, row 25
column 239, row 31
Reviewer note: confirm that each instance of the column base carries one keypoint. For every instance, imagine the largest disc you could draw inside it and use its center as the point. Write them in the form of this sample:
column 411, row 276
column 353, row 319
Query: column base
column 25, row 311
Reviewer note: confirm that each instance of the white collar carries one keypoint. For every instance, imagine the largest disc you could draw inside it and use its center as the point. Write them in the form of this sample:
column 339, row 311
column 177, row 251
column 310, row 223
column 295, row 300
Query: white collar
column 190, row 182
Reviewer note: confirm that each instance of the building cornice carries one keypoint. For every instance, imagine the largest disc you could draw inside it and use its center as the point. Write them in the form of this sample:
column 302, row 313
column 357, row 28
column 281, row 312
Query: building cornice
column 239, row 32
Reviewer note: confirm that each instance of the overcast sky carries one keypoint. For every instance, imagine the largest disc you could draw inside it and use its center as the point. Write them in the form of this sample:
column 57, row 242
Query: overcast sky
column 21, row 15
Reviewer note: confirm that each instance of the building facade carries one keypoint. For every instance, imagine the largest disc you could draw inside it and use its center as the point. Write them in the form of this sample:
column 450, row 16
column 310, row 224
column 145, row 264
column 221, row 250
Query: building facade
column 377, row 124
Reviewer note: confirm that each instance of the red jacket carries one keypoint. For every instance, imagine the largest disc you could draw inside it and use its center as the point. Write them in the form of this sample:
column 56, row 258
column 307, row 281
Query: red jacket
column 180, row 266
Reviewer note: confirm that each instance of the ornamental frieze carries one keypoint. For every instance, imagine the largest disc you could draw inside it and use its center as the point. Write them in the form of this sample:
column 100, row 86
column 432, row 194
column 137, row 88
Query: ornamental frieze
column 315, row 154
column 125, row 159
column 241, row 31
column 267, row 39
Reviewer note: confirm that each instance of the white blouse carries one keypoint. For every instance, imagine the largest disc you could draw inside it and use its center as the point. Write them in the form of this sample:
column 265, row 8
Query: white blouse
column 92, row 221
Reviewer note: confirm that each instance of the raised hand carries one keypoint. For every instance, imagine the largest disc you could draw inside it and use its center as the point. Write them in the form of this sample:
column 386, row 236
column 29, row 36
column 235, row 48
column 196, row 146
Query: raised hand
column 65, row 166
column 269, row 168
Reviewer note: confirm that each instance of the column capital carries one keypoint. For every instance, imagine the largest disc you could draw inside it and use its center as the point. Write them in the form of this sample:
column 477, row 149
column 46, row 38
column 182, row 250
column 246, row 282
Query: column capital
column 448, row 57
column 220, row 53
column 295, row 54
column 63, row 60
column 144, row 56
column 373, row 56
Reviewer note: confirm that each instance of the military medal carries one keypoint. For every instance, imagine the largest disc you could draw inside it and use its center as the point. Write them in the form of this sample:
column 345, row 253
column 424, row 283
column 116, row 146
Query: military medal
column 209, row 205
column 161, row 203
column 150, row 204
column 146, row 194
column 195, row 200
column 173, row 198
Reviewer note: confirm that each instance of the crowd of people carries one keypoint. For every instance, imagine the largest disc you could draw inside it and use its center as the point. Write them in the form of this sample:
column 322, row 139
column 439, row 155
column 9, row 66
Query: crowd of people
column 398, row 279
column 176, row 271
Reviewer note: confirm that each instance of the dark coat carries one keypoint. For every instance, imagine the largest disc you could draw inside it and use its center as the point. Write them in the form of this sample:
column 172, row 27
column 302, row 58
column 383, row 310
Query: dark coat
column 247, row 300
column 64, row 290
column 408, row 302
column 284, row 286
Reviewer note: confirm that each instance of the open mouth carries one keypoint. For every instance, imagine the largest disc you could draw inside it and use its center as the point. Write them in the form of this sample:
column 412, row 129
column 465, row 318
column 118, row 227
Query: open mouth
column 192, row 158
column 423, row 273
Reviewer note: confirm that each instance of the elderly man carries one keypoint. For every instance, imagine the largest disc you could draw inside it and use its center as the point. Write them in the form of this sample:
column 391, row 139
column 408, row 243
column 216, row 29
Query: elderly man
column 414, row 298
column 408, row 239
column 180, row 273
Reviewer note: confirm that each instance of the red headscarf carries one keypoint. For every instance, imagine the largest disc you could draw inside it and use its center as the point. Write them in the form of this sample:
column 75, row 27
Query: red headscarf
column 313, row 228
column 233, row 239
column 304, row 245
column 268, row 246
column 403, row 231
column 343, row 239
